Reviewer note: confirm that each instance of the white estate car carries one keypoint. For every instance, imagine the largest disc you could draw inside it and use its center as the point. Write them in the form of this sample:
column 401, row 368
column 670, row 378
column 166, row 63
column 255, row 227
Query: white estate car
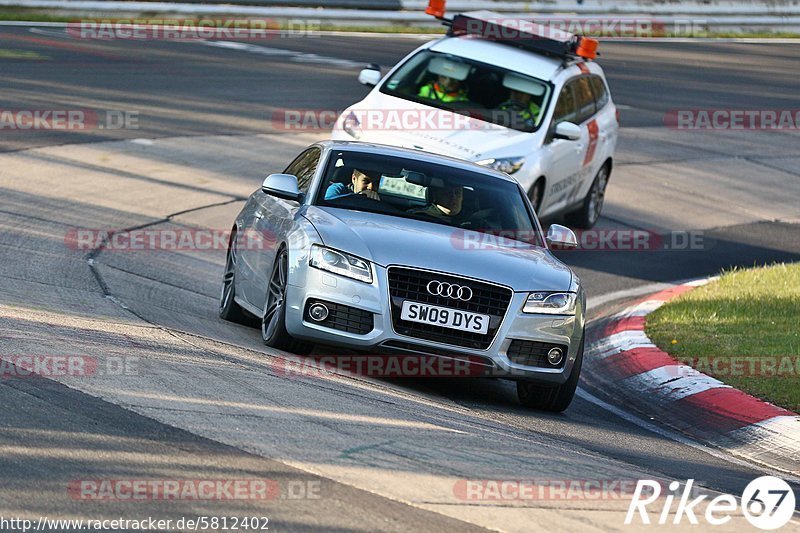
column 521, row 103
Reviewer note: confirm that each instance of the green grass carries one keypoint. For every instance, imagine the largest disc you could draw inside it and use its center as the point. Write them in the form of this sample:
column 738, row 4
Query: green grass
column 31, row 15
column 21, row 54
column 745, row 322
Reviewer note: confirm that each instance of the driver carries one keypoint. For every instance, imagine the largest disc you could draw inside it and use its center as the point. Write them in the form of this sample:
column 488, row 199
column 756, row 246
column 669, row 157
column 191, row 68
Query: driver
column 360, row 183
column 523, row 107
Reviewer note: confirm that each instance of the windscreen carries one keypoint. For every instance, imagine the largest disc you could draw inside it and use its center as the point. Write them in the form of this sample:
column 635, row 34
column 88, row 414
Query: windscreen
column 431, row 192
column 481, row 91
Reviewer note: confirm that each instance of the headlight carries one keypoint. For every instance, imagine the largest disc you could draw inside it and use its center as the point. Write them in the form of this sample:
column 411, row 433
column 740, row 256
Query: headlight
column 509, row 165
column 340, row 263
column 551, row 303
column 352, row 125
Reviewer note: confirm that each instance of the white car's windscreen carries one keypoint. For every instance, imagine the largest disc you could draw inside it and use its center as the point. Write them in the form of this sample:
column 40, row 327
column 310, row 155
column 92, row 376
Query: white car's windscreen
column 482, row 91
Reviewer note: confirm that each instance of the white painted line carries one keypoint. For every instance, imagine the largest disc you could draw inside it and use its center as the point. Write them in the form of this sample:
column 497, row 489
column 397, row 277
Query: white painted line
column 787, row 426
column 640, row 309
column 780, row 434
column 624, row 338
column 701, row 282
column 677, row 437
column 642, row 290
column 620, row 342
column 763, row 441
column 292, row 55
column 52, row 33
column 596, row 301
column 673, row 382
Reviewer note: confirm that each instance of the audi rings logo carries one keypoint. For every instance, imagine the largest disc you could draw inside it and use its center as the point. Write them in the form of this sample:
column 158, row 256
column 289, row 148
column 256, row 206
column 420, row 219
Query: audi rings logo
column 450, row 290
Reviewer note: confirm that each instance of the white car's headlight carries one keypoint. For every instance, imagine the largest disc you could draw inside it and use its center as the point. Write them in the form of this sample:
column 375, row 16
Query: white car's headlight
column 551, row 303
column 509, row 165
column 340, row 263
column 352, row 125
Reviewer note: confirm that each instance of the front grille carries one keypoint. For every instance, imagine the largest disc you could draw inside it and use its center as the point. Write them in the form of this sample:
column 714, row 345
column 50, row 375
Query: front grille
column 533, row 353
column 487, row 299
column 343, row 318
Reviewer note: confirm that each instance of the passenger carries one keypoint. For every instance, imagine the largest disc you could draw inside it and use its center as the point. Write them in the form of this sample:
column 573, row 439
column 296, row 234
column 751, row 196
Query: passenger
column 360, row 183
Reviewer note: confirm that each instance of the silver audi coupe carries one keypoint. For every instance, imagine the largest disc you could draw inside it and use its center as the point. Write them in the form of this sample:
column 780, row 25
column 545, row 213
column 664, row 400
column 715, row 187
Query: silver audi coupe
column 384, row 250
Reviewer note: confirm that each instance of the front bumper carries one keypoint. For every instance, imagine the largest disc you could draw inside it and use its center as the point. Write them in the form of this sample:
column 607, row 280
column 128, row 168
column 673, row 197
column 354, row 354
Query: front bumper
column 314, row 284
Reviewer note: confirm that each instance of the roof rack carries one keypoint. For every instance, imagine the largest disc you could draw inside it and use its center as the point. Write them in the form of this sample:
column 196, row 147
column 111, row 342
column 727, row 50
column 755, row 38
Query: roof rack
column 520, row 33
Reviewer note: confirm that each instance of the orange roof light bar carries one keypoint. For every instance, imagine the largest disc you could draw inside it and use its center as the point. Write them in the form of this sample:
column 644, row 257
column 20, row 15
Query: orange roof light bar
column 587, row 47
column 523, row 34
column 435, row 8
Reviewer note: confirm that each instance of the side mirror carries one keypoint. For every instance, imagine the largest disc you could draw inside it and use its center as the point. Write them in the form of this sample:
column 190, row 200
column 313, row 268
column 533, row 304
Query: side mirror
column 370, row 76
column 561, row 236
column 283, row 186
column 567, row 131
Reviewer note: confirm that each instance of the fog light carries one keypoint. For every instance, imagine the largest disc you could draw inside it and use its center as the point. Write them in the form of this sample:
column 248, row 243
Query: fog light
column 318, row 312
column 554, row 356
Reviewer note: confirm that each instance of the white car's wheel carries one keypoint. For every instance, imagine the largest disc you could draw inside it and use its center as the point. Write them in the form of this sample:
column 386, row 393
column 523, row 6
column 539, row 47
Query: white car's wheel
column 536, row 193
column 589, row 213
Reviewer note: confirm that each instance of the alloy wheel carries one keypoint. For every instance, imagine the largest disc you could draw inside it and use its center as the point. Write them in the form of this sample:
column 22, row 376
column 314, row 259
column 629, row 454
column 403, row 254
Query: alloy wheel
column 276, row 294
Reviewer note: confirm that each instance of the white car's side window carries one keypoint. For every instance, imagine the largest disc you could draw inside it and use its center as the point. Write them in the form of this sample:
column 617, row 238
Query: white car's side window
column 600, row 91
column 584, row 98
column 566, row 110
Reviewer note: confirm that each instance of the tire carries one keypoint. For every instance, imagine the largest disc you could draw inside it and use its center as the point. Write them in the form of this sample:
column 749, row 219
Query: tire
column 535, row 195
column 555, row 399
column 273, row 319
column 589, row 213
column 228, row 308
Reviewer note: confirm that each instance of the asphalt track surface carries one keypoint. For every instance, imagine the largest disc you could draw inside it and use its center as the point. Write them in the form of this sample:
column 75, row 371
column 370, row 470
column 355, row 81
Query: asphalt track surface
column 205, row 400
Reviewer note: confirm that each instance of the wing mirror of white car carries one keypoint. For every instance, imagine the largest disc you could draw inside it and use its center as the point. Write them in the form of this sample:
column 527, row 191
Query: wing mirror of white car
column 568, row 131
column 283, row 186
column 370, row 76
column 561, row 237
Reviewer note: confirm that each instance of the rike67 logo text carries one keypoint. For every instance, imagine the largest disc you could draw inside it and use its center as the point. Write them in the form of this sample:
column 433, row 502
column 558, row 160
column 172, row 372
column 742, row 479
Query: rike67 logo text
column 767, row 503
